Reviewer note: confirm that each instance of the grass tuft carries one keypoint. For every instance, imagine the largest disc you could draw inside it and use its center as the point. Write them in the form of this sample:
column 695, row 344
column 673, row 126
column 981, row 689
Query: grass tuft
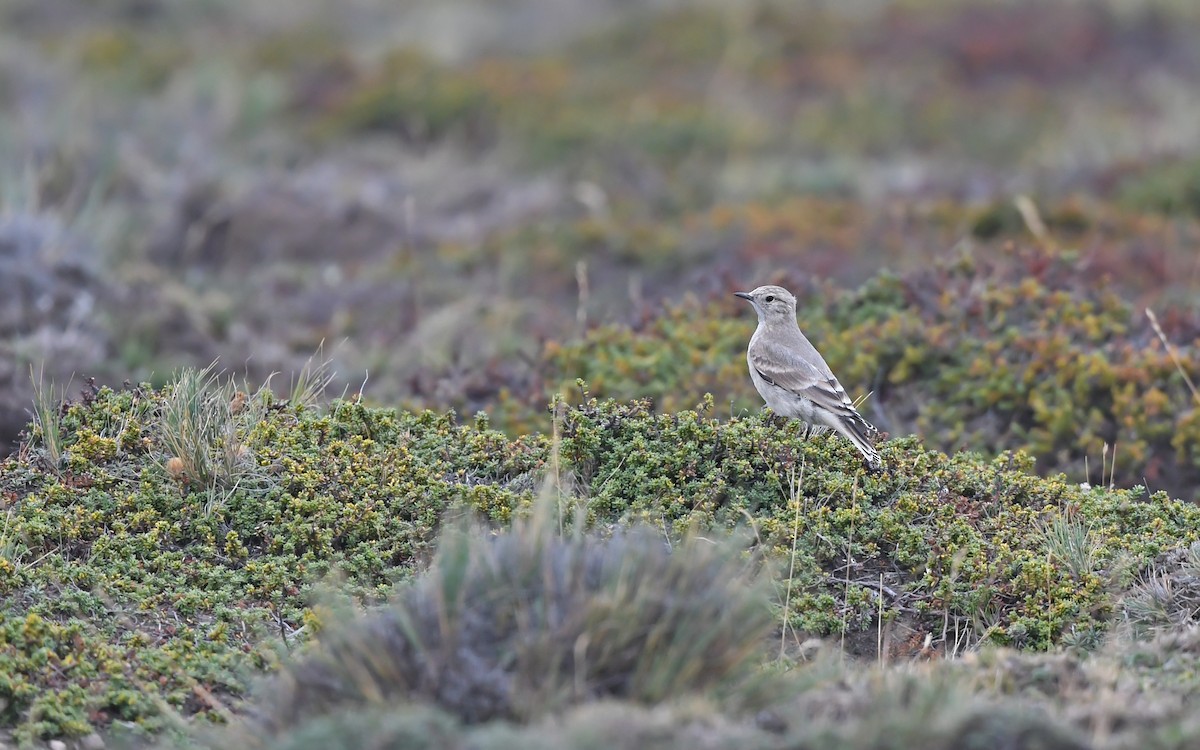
column 204, row 422
column 47, row 419
column 310, row 383
column 1166, row 599
column 519, row 624
column 1071, row 543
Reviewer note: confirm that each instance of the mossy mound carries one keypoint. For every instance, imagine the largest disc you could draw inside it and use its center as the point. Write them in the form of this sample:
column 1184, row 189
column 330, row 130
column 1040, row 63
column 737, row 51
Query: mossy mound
column 120, row 581
column 1012, row 352
column 939, row 545
column 125, row 580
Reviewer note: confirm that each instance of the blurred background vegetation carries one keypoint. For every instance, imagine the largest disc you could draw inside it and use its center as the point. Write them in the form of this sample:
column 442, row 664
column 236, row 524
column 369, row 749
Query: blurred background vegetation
column 472, row 204
column 475, row 204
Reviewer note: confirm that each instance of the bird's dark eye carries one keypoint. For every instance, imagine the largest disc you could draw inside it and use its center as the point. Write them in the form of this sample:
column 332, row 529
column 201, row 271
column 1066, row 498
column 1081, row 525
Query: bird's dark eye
column 769, row 298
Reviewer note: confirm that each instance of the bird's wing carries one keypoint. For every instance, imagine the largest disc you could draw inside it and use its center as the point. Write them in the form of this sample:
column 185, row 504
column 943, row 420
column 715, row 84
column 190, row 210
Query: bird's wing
column 782, row 367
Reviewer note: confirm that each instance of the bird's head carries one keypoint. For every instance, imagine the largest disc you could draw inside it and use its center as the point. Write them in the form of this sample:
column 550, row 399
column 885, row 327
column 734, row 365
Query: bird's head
column 774, row 304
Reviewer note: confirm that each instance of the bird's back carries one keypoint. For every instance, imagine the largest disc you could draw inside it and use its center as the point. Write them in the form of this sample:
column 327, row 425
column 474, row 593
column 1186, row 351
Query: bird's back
column 792, row 339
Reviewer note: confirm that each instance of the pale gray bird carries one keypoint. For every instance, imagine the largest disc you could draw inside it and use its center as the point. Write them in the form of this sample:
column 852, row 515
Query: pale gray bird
column 792, row 377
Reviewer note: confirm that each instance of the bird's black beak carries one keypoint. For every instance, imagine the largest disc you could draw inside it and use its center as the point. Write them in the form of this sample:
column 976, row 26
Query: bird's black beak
column 743, row 295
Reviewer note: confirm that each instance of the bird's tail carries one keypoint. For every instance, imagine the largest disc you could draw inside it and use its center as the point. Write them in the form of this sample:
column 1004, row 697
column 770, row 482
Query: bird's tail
column 850, row 425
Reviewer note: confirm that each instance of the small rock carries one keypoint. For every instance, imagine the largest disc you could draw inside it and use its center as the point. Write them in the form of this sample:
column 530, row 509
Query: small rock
column 92, row 742
column 58, row 745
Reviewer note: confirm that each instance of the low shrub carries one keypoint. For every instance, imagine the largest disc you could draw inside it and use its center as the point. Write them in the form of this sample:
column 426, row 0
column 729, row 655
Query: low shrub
column 124, row 588
column 1003, row 353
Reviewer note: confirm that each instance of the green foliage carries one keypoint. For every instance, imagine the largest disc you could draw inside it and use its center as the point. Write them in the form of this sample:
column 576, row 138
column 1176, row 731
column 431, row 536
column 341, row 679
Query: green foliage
column 908, row 709
column 401, row 728
column 986, row 355
column 953, row 539
column 141, row 585
column 123, row 587
column 1072, row 544
column 1126, row 694
column 1003, row 219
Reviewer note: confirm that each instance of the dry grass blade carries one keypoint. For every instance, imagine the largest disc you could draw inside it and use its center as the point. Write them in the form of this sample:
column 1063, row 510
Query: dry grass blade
column 1167, row 598
column 308, row 385
column 1173, row 355
column 794, row 486
column 47, row 417
column 1033, row 220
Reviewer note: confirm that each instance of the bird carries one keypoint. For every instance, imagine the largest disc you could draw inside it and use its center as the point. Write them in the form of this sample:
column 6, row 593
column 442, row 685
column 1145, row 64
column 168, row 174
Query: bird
column 792, row 377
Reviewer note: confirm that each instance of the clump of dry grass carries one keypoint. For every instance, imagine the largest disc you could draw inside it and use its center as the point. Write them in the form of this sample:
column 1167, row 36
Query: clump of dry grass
column 1070, row 543
column 840, row 705
column 519, row 624
column 309, row 384
column 204, row 424
column 1167, row 598
column 47, row 420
